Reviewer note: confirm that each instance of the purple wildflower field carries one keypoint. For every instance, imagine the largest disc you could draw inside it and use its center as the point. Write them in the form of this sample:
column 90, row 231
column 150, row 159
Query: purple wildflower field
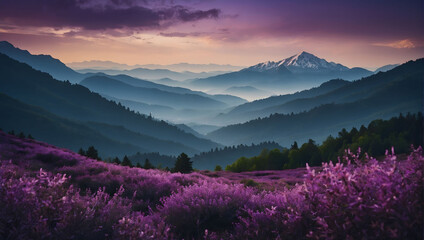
column 52, row 193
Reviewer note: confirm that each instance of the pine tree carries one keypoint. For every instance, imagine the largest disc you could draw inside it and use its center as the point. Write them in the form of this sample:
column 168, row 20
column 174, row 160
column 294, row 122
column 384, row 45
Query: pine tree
column 126, row 162
column 21, row 135
column 81, row 152
column 147, row 164
column 183, row 164
column 92, row 153
column 117, row 161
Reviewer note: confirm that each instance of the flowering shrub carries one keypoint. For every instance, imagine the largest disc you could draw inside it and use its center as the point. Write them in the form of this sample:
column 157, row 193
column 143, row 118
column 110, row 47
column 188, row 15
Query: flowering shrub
column 368, row 200
column 204, row 206
column 43, row 207
column 73, row 197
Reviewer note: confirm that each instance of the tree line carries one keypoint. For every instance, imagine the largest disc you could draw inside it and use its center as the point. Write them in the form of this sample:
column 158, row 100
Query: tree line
column 400, row 132
column 182, row 164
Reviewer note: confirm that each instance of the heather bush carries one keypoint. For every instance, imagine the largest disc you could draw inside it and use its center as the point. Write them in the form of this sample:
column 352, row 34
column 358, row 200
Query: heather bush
column 356, row 198
column 138, row 226
column 211, row 206
column 274, row 215
column 45, row 207
column 380, row 200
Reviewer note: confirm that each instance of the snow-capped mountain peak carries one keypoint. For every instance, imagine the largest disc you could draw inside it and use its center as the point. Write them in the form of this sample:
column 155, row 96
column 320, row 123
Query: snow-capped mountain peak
column 307, row 61
column 301, row 62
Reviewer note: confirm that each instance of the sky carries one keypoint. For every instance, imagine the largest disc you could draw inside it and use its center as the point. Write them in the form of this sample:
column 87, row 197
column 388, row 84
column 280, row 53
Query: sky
column 360, row 33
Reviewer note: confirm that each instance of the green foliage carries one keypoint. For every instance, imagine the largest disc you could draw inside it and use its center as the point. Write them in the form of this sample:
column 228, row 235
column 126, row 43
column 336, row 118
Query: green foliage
column 380, row 135
column 218, row 168
column 249, row 182
column 274, row 159
column 183, row 164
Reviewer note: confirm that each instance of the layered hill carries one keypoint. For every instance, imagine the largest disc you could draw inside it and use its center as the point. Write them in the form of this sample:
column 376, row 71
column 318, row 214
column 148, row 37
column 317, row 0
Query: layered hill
column 77, row 103
column 265, row 107
column 380, row 96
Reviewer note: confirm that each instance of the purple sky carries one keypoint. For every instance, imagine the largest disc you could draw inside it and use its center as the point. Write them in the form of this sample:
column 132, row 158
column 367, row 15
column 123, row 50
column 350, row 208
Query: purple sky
column 240, row 32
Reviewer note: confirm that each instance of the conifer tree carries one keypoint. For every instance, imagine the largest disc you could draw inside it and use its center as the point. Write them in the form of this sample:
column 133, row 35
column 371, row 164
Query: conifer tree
column 147, row 164
column 92, row 153
column 183, row 164
column 126, row 162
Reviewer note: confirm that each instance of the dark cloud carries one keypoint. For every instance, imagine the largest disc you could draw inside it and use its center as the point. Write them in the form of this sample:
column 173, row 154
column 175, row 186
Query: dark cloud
column 97, row 15
column 374, row 19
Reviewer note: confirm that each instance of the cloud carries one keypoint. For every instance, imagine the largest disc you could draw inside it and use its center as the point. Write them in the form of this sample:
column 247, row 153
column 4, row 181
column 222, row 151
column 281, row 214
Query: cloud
column 406, row 43
column 182, row 34
column 98, row 15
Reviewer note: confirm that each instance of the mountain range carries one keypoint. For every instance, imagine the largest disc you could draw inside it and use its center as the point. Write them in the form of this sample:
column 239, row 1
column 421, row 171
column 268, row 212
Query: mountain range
column 78, row 105
column 379, row 96
column 118, row 114
column 154, row 74
column 274, row 104
column 159, row 93
column 178, row 67
column 297, row 72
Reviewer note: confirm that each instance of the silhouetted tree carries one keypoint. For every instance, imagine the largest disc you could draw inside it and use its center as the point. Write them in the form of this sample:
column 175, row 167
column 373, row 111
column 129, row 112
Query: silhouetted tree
column 81, row 152
column 21, row 135
column 92, row 153
column 183, row 164
column 126, row 162
column 294, row 146
column 30, row 137
column 147, row 164
column 116, row 160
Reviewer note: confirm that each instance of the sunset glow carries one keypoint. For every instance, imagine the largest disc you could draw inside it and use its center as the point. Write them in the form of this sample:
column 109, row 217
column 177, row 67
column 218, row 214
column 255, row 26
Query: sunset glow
column 357, row 33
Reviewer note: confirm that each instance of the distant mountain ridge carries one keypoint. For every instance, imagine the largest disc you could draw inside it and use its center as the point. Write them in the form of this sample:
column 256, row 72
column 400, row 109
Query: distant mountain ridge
column 386, row 68
column 154, row 74
column 298, row 72
column 178, row 67
column 122, row 90
column 44, row 63
column 265, row 107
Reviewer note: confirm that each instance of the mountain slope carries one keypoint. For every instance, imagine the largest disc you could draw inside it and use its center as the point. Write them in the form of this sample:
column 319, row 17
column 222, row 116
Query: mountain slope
column 50, row 128
column 227, row 99
column 44, row 63
column 398, row 96
column 151, row 144
column 386, row 68
column 258, row 108
column 118, row 89
column 77, row 103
